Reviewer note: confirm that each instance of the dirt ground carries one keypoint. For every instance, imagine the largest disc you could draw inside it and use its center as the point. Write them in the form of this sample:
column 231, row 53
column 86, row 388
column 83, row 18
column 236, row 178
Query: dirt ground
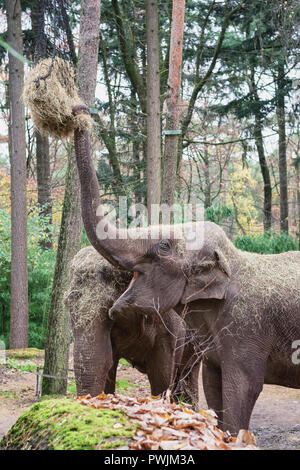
column 275, row 420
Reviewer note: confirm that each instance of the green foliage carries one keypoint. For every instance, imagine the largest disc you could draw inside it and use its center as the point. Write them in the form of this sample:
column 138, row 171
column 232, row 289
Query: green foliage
column 11, row 363
column 124, row 363
column 266, row 243
column 72, row 387
column 41, row 264
column 218, row 213
column 84, row 239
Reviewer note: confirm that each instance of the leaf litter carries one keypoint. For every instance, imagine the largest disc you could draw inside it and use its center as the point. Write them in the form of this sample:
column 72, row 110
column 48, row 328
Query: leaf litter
column 165, row 425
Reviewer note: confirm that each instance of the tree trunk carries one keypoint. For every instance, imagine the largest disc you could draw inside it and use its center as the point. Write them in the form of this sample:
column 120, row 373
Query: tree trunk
column 174, row 82
column 298, row 200
column 42, row 142
column 153, row 107
column 261, row 156
column 265, row 174
column 43, row 183
column 19, row 294
column 58, row 337
column 207, row 181
column 280, row 111
column 58, row 334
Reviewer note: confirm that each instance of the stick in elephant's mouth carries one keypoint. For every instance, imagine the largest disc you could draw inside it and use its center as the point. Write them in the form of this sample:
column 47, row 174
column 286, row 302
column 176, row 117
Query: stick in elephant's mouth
column 135, row 276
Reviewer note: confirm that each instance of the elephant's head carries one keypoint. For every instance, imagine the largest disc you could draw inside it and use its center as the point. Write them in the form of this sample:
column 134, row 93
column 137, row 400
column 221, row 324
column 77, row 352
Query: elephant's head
column 168, row 275
column 186, row 265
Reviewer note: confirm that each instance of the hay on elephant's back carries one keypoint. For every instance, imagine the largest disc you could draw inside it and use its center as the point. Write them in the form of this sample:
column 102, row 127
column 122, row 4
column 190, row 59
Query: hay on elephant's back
column 51, row 98
column 94, row 286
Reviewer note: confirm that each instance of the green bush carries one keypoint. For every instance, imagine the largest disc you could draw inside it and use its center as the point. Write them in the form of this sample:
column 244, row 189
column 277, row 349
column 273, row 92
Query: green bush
column 41, row 263
column 217, row 213
column 266, row 243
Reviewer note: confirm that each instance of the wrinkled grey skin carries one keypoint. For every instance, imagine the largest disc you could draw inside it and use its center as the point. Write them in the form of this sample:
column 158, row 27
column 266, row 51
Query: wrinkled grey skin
column 162, row 350
column 252, row 320
column 247, row 305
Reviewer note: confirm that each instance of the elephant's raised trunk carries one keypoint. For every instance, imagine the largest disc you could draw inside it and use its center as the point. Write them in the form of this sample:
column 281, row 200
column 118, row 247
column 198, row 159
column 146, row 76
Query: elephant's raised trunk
column 115, row 250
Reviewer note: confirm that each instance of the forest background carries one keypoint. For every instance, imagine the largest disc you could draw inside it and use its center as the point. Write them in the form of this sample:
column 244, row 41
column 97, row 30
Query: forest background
column 236, row 140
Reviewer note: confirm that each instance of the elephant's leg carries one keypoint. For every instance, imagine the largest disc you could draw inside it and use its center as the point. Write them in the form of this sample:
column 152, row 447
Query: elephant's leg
column 240, row 390
column 160, row 364
column 212, row 386
column 110, row 385
column 93, row 356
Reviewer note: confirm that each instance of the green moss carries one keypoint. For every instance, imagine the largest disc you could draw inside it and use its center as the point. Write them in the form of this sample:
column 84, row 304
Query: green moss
column 122, row 385
column 27, row 353
column 124, row 363
column 64, row 424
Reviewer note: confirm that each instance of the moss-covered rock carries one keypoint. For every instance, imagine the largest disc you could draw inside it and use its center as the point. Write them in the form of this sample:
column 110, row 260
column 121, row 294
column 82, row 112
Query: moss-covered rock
column 64, row 424
column 25, row 353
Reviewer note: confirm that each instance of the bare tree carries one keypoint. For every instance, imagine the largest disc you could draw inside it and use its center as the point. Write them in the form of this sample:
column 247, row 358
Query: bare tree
column 17, row 146
column 153, row 107
column 174, row 84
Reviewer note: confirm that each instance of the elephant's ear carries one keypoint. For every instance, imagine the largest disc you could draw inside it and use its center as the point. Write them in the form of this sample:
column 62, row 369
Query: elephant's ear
column 207, row 279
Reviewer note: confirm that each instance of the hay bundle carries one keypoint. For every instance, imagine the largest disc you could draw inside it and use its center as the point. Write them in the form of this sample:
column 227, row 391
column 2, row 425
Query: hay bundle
column 51, row 98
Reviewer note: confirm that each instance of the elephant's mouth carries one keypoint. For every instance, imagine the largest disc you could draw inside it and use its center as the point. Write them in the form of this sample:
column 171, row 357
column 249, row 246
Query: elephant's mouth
column 121, row 304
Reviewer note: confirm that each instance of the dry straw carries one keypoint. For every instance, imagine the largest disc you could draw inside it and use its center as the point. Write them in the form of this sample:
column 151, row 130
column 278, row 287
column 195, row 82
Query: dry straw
column 94, row 287
column 51, row 98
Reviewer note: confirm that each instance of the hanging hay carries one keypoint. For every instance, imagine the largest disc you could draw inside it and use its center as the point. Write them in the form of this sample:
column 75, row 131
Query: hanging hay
column 51, row 94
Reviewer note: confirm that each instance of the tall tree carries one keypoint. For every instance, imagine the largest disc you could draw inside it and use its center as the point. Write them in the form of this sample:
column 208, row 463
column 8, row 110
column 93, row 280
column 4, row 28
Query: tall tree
column 58, row 335
column 258, row 135
column 17, row 146
column 174, row 83
column 42, row 148
column 282, row 163
column 44, row 183
column 153, row 107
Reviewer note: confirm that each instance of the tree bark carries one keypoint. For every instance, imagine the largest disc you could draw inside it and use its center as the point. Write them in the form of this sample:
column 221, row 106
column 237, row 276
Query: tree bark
column 265, row 173
column 258, row 136
column 58, row 333
column 174, row 83
column 153, row 107
column 59, row 329
column 298, row 198
column 207, row 180
column 44, row 183
column 42, row 142
column 19, row 291
column 280, row 112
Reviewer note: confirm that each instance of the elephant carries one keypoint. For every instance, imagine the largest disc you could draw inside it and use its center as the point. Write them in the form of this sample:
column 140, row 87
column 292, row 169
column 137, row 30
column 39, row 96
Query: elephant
column 248, row 303
column 165, row 351
column 246, row 306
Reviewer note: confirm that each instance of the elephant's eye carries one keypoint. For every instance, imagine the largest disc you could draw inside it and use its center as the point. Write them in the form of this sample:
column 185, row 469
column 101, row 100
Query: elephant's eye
column 164, row 245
